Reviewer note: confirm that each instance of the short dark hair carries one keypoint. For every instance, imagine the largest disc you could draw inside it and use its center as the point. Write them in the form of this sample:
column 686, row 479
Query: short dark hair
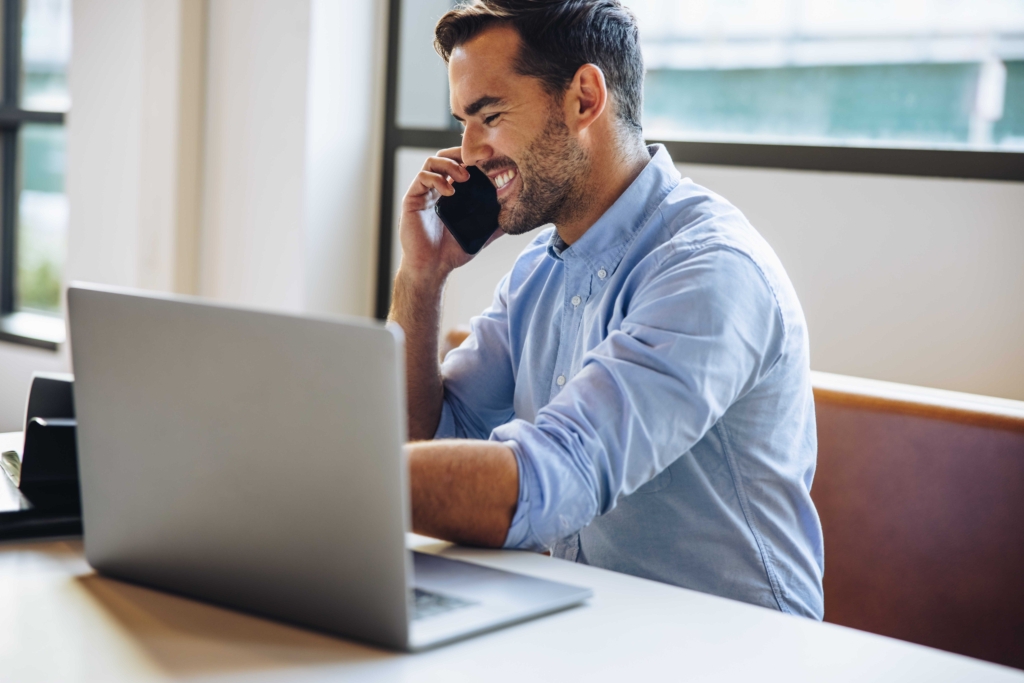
column 558, row 37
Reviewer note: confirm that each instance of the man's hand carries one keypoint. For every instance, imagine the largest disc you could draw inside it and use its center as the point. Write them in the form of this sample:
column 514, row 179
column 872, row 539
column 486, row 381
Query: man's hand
column 429, row 252
column 429, row 255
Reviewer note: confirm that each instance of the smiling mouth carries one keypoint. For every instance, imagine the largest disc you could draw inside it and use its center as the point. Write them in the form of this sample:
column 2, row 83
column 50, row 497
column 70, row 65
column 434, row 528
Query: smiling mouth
column 504, row 178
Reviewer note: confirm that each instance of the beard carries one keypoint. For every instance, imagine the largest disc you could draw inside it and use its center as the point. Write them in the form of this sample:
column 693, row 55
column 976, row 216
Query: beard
column 552, row 174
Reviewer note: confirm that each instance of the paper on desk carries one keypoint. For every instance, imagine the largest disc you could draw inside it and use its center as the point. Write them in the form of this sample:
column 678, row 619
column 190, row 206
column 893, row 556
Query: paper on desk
column 10, row 461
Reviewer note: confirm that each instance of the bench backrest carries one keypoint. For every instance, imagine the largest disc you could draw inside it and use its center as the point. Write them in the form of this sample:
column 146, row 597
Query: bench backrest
column 921, row 498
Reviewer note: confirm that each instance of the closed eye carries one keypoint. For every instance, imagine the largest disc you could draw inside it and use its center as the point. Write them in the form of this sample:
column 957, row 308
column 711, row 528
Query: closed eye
column 490, row 119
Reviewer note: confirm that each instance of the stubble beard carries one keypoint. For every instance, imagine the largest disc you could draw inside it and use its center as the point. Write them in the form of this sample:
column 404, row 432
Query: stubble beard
column 552, row 173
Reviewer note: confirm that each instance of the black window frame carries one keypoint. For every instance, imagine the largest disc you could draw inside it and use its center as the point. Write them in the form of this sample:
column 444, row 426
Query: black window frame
column 898, row 161
column 12, row 118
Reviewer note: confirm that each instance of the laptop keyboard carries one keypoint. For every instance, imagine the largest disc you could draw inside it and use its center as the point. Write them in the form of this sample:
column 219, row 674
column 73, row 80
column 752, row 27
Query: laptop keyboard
column 427, row 604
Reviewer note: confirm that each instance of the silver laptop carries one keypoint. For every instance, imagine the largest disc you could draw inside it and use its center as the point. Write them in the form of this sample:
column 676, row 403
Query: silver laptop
column 255, row 460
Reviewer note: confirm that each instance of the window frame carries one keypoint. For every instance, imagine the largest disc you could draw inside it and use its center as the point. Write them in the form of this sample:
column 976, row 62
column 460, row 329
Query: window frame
column 898, row 161
column 20, row 327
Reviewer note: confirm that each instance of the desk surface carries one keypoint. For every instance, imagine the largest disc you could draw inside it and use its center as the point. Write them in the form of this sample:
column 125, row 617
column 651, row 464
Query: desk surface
column 59, row 620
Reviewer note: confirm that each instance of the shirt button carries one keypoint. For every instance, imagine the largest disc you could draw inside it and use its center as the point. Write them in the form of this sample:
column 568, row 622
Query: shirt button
column 560, row 381
column 576, row 301
column 602, row 273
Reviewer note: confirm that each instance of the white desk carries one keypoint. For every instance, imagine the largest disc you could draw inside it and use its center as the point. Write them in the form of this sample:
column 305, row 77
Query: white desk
column 59, row 621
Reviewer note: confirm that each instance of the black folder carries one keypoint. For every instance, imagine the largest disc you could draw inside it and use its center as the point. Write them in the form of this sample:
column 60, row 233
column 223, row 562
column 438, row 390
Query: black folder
column 39, row 492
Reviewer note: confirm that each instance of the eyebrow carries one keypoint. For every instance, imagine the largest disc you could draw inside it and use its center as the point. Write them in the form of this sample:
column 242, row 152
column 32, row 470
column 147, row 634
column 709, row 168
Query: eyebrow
column 485, row 101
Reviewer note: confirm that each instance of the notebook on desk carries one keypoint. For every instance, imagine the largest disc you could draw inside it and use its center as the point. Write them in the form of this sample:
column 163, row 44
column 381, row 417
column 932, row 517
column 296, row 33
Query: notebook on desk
column 255, row 460
column 38, row 467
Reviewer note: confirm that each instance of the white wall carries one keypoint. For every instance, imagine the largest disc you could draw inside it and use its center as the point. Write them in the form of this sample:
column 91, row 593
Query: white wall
column 915, row 280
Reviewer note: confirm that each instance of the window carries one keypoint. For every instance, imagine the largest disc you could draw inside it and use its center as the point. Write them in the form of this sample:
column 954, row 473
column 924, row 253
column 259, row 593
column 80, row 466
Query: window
column 921, row 73
column 907, row 87
column 33, row 205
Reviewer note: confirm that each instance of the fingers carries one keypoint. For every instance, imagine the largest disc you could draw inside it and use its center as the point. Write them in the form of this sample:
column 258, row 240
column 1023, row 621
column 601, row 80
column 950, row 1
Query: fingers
column 452, row 166
column 438, row 174
column 420, row 202
column 427, row 181
column 454, row 153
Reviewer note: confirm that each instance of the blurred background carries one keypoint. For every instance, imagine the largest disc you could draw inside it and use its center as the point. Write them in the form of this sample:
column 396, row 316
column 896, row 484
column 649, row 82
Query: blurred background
column 253, row 151
column 911, row 73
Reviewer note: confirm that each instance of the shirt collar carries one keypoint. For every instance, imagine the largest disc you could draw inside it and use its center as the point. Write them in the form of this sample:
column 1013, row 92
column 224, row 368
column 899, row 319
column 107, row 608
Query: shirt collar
column 603, row 245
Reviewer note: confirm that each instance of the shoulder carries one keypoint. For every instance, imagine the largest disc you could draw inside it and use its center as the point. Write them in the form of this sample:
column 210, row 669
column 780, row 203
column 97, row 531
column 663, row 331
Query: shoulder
column 712, row 283
column 695, row 216
column 707, row 231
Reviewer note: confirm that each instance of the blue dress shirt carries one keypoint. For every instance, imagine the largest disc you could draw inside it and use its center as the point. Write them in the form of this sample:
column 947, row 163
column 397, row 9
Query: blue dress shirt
column 653, row 381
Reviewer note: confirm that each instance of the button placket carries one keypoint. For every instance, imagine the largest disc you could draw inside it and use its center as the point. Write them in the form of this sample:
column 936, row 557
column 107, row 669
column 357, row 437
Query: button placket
column 570, row 319
column 565, row 327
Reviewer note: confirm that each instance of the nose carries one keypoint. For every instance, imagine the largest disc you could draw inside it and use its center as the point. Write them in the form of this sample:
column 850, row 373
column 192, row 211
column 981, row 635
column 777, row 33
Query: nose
column 475, row 147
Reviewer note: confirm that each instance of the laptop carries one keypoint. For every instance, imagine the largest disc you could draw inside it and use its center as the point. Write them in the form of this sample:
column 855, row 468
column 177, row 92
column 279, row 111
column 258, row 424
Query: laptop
column 254, row 460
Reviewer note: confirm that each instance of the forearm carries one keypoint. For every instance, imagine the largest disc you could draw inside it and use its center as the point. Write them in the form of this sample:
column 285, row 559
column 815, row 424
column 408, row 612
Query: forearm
column 416, row 306
column 463, row 490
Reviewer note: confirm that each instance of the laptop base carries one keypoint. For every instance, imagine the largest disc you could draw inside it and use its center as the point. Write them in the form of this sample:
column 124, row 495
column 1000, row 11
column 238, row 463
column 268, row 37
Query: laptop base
column 493, row 599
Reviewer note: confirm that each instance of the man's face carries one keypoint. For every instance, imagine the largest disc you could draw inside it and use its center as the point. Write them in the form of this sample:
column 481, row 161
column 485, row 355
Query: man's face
column 515, row 132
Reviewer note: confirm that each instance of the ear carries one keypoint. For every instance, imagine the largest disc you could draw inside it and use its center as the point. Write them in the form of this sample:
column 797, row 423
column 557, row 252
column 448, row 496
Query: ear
column 586, row 98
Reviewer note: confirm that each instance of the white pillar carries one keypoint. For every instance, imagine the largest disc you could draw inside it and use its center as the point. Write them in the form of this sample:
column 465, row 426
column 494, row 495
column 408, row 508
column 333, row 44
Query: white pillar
column 252, row 246
column 344, row 135
column 134, row 135
column 292, row 153
column 172, row 117
column 105, row 140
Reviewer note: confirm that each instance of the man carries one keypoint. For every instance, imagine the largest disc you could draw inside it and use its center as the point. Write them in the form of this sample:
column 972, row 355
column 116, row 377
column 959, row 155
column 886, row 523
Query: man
column 638, row 395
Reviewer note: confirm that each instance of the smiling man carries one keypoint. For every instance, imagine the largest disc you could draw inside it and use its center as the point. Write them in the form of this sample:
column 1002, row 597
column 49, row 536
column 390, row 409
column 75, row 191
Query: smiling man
column 638, row 395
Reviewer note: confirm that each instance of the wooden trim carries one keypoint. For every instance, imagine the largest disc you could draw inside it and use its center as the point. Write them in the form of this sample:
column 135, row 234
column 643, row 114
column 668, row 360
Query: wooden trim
column 905, row 399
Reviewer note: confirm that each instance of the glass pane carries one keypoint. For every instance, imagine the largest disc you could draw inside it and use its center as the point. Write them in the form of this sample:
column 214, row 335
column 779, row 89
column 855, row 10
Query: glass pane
column 42, row 218
column 1009, row 130
column 45, row 50
column 921, row 73
column 422, row 77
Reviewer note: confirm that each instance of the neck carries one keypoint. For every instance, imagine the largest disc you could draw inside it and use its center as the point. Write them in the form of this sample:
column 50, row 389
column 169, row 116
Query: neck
column 612, row 170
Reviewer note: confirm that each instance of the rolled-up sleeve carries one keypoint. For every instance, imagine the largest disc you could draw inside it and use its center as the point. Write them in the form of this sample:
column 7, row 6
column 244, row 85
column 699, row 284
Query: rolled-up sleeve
column 698, row 333
column 479, row 384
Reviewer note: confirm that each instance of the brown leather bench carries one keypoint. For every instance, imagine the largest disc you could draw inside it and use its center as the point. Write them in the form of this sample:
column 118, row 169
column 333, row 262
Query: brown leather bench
column 921, row 499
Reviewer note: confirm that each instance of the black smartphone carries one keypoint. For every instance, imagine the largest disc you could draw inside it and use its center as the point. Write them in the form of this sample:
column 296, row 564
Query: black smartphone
column 471, row 214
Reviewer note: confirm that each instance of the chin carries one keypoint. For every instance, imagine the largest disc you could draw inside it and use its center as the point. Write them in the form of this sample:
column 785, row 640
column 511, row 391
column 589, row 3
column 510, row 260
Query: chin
column 508, row 229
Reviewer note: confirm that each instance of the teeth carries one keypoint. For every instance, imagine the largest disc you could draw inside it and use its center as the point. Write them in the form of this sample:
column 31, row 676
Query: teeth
column 504, row 179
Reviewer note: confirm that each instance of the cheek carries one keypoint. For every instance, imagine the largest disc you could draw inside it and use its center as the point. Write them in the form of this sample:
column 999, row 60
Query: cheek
column 510, row 141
